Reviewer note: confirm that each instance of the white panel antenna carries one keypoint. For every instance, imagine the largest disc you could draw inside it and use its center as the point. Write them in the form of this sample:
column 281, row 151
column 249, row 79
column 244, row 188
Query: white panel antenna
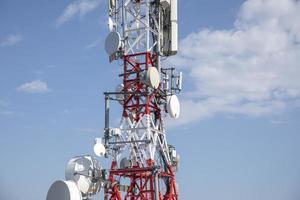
column 179, row 81
column 174, row 27
column 169, row 27
column 111, row 24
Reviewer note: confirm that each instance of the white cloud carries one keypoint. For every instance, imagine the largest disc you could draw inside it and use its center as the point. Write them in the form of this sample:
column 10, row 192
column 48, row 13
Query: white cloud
column 11, row 40
column 252, row 69
column 78, row 7
column 36, row 86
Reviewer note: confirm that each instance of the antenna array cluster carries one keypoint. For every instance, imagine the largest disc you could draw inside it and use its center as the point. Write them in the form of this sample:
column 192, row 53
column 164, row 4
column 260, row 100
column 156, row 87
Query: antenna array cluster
column 143, row 164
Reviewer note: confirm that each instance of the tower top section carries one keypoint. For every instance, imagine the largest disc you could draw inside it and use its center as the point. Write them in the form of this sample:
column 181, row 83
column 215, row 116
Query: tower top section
column 142, row 26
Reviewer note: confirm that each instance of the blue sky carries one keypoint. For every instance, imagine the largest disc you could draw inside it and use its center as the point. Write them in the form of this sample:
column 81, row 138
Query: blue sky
column 238, row 135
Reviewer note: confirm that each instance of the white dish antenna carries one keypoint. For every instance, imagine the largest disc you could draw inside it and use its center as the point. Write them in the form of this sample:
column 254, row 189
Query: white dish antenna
column 99, row 148
column 152, row 77
column 173, row 106
column 113, row 43
column 81, row 170
column 64, row 190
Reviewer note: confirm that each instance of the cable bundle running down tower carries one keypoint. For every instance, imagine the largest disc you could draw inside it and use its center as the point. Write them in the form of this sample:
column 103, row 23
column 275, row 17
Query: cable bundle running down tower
column 143, row 166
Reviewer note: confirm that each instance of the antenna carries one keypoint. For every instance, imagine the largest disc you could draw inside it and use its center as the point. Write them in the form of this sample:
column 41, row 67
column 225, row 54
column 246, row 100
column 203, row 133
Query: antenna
column 64, row 190
column 179, row 82
column 173, row 106
column 113, row 43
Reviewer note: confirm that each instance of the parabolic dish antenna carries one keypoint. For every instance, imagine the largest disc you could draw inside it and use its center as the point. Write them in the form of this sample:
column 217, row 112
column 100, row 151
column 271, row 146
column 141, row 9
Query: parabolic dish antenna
column 173, row 106
column 112, row 43
column 81, row 170
column 99, row 148
column 64, row 190
column 152, row 77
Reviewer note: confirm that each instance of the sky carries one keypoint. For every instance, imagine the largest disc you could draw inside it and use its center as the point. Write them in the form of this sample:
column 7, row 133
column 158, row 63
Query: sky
column 239, row 131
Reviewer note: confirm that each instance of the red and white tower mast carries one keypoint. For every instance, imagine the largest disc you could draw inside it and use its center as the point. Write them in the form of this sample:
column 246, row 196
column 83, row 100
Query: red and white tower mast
column 143, row 164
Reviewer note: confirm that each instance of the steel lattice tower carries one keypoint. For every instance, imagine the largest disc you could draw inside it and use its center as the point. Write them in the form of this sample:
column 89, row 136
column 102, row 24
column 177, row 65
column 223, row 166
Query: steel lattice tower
column 143, row 164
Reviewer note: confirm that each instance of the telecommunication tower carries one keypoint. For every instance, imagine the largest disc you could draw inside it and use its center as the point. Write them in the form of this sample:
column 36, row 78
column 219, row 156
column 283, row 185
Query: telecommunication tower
column 143, row 167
